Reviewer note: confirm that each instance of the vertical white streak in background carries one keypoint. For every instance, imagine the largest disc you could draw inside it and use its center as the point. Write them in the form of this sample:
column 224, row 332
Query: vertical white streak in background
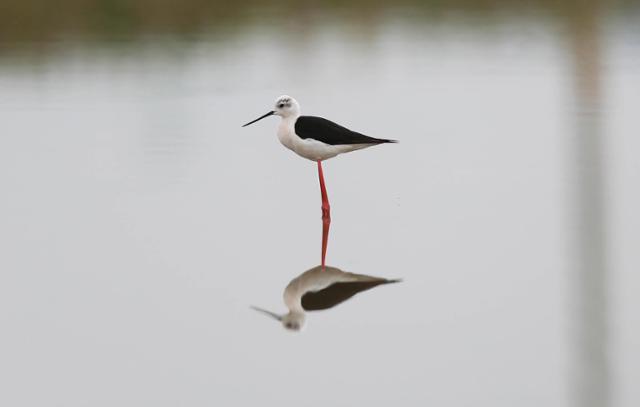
column 589, row 279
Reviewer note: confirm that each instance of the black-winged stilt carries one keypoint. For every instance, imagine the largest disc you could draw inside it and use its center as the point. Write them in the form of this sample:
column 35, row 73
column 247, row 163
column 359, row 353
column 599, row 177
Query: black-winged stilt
column 316, row 139
column 316, row 290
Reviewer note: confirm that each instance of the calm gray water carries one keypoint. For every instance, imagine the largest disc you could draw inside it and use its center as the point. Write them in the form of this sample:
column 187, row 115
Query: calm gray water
column 138, row 221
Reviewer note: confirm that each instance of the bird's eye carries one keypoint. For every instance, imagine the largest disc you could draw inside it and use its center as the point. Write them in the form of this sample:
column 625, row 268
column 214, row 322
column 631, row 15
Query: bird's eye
column 281, row 105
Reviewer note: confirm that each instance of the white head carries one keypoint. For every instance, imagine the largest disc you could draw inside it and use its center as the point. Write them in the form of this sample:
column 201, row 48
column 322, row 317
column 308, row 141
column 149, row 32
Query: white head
column 293, row 321
column 285, row 106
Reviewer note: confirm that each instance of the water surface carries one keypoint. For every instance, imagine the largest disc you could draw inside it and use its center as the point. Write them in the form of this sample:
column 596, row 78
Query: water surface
column 138, row 221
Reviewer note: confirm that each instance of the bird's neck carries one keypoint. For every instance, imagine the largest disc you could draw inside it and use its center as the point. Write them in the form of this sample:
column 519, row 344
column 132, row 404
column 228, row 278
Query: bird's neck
column 286, row 130
column 290, row 120
column 293, row 296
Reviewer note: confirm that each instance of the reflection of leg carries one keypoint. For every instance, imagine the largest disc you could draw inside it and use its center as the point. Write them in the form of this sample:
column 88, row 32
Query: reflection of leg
column 325, row 238
column 326, row 214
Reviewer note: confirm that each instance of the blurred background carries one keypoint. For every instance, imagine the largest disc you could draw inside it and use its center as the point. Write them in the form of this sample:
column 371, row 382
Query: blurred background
column 138, row 221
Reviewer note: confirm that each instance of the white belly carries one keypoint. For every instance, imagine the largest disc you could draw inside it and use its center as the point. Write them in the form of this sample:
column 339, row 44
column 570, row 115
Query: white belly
column 311, row 149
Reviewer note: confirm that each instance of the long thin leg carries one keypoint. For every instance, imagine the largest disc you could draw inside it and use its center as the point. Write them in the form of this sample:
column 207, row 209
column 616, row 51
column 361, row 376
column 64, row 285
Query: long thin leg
column 326, row 214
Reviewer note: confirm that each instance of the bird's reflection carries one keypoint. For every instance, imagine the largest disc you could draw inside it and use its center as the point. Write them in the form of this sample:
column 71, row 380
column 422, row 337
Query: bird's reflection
column 317, row 289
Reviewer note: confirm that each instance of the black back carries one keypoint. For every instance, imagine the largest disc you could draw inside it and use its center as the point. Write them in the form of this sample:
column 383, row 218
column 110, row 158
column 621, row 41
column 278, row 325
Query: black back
column 336, row 293
column 331, row 133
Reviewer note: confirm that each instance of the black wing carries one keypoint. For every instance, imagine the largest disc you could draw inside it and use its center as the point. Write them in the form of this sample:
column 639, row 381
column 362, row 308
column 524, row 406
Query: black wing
column 331, row 133
column 337, row 293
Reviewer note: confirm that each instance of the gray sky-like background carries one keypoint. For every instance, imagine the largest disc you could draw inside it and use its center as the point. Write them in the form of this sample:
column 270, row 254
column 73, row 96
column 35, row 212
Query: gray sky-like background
column 138, row 221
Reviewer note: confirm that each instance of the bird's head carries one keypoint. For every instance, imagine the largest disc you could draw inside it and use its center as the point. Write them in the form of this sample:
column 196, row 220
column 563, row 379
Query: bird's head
column 285, row 106
column 293, row 321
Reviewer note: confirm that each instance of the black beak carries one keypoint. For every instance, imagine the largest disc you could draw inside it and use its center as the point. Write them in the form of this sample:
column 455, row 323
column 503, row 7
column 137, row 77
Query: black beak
column 269, row 313
column 259, row 118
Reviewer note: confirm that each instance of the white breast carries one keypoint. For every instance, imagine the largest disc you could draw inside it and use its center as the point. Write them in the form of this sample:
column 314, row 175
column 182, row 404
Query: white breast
column 286, row 133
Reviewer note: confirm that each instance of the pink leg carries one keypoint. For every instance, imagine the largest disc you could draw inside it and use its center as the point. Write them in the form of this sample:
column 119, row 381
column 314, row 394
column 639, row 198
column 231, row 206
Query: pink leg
column 326, row 214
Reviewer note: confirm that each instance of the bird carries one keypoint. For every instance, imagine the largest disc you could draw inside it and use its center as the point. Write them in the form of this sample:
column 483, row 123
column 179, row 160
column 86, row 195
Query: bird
column 320, row 289
column 316, row 139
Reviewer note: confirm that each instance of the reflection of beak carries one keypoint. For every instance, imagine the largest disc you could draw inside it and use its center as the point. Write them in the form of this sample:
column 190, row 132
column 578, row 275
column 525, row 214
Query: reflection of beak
column 259, row 118
column 269, row 313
